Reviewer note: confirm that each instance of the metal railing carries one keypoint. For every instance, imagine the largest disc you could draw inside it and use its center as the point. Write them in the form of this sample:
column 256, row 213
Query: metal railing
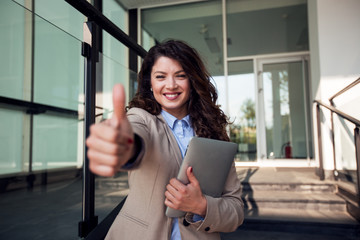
column 90, row 50
column 349, row 118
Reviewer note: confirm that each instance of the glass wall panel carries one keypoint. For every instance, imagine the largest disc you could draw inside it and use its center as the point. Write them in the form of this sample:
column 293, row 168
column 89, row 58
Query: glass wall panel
column 113, row 73
column 12, row 48
column 263, row 27
column 58, row 64
column 147, row 40
column 62, row 15
column 114, row 57
column 11, row 141
column 198, row 24
column 112, row 48
column 242, row 105
column 57, row 142
column 57, row 80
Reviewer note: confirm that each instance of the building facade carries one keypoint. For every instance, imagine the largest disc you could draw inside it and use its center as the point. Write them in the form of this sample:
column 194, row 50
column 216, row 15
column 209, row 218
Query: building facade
column 270, row 59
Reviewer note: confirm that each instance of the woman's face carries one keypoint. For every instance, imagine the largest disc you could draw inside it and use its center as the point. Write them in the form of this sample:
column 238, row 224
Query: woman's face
column 171, row 86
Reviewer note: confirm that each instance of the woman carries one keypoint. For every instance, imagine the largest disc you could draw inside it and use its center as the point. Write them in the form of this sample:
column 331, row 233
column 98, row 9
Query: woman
column 175, row 101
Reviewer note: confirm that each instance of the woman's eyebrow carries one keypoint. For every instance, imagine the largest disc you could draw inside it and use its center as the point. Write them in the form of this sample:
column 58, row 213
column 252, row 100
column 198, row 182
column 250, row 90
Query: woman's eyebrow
column 166, row 73
column 159, row 72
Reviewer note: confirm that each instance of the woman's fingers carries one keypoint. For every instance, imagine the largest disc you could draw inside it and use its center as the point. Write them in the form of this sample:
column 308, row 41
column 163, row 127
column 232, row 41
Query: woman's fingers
column 188, row 197
column 172, row 197
column 98, row 144
column 175, row 193
column 102, row 170
column 104, row 158
column 107, row 133
column 108, row 149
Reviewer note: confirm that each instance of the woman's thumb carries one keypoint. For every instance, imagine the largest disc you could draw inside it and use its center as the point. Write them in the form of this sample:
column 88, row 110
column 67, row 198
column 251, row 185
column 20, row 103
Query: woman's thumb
column 190, row 175
column 118, row 104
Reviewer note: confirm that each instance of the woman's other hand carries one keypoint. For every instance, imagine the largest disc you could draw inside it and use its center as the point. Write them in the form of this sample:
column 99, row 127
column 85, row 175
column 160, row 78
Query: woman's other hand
column 110, row 144
column 187, row 198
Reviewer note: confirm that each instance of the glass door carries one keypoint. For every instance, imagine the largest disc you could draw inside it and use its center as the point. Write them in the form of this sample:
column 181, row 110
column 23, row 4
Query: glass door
column 283, row 105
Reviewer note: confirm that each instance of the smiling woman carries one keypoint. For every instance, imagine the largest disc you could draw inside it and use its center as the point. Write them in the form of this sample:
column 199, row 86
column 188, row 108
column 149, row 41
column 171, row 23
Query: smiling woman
column 174, row 102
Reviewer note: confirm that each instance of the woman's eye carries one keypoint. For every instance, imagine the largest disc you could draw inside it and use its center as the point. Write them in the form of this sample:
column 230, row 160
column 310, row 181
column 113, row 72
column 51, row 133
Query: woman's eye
column 159, row 77
column 181, row 76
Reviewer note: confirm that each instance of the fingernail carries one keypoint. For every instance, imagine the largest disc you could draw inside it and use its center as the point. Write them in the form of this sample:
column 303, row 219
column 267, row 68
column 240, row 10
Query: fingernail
column 130, row 141
column 191, row 169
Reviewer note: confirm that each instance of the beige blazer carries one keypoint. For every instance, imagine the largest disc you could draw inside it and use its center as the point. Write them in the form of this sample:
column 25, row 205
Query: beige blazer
column 143, row 214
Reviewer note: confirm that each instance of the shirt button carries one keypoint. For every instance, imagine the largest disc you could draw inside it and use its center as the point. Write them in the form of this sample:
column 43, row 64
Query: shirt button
column 207, row 229
column 186, row 223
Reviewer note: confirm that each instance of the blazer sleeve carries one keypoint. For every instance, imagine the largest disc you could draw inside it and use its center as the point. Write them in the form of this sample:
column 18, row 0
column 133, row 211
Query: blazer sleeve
column 223, row 214
column 137, row 118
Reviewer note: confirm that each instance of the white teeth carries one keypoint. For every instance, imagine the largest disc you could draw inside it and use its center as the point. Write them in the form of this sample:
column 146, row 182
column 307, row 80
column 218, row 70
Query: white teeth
column 171, row 95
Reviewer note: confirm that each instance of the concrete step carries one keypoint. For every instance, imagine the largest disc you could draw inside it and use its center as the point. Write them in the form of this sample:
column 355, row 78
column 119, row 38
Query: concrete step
column 296, row 225
column 277, row 223
column 290, row 187
column 293, row 200
column 300, row 216
column 120, row 183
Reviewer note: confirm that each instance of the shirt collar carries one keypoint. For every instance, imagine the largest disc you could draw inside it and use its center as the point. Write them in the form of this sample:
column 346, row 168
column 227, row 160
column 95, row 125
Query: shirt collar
column 170, row 119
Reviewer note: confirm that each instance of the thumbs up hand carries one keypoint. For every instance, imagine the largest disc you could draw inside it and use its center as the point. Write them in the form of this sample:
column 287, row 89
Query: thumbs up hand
column 111, row 143
column 187, row 198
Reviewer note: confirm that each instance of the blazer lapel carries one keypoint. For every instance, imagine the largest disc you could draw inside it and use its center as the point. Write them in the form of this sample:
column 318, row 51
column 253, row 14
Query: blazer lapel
column 173, row 143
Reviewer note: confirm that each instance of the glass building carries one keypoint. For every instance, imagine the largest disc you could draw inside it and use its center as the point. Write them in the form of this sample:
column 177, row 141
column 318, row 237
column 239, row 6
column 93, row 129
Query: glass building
column 261, row 74
column 269, row 59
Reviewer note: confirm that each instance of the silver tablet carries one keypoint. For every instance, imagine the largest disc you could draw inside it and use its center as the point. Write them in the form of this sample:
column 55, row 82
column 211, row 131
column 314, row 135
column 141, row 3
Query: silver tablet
column 211, row 161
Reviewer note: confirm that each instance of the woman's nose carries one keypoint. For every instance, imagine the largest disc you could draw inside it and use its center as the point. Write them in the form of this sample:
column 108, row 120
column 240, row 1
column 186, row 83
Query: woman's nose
column 171, row 83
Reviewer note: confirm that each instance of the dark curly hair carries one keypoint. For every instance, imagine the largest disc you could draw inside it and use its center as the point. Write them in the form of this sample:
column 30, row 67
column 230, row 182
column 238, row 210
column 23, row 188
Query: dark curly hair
column 207, row 119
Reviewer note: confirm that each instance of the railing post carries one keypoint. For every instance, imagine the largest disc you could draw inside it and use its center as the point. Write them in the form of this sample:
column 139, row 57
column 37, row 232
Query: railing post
column 318, row 121
column 333, row 141
column 357, row 152
column 89, row 51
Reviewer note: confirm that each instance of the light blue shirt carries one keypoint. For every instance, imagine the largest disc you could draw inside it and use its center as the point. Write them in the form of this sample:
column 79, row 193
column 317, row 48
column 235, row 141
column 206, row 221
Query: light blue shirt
column 183, row 132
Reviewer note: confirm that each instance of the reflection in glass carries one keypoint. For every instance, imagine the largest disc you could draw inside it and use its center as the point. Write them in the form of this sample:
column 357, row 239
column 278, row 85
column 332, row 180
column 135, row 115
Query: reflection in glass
column 284, row 110
column 241, row 96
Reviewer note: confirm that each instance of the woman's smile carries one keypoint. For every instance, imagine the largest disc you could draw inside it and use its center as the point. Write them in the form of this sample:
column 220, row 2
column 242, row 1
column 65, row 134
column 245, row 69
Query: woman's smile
column 171, row 96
